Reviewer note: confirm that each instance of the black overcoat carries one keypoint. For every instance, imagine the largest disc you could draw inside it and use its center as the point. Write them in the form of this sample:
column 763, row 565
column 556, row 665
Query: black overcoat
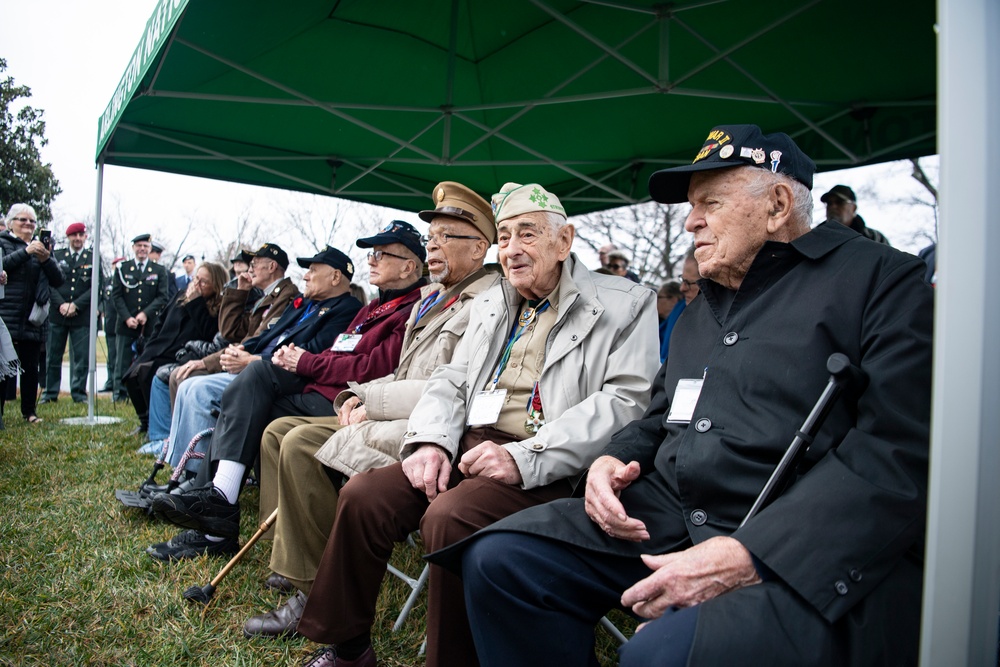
column 845, row 542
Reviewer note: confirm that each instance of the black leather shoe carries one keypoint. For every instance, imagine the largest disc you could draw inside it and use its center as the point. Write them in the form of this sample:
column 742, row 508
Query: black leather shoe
column 45, row 400
column 280, row 622
column 327, row 657
column 276, row 582
column 192, row 544
column 204, row 509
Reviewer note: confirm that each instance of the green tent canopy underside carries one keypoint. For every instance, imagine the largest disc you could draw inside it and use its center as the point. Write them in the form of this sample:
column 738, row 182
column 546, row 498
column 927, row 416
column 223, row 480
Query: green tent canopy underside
column 378, row 101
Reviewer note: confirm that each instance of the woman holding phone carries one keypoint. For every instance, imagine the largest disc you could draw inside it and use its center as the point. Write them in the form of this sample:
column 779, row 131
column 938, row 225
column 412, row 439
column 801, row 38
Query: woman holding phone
column 30, row 271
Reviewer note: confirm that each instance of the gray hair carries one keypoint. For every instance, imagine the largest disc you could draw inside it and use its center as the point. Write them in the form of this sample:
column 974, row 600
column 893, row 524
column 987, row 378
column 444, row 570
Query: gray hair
column 802, row 205
column 17, row 209
column 556, row 221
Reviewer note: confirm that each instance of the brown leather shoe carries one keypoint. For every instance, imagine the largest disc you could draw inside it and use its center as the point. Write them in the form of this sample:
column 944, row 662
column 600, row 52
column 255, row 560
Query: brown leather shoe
column 280, row 622
column 276, row 582
column 327, row 657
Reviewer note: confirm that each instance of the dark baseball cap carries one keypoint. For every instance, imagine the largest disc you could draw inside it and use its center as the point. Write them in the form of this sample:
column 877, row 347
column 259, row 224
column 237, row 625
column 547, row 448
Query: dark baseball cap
column 840, row 192
column 397, row 231
column 734, row 146
column 244, row 256
column 272, row 251
column 331, row 257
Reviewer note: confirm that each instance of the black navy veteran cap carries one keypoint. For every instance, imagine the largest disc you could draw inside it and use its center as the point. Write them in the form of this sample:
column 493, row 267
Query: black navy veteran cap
column 331, row 257
column 244, row 256
column 397, row 231
column 271, row 251
column 733, row 146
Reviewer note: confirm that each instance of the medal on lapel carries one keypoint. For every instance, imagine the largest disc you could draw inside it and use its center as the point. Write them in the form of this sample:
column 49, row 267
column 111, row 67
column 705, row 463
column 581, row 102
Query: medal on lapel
column 535, row 418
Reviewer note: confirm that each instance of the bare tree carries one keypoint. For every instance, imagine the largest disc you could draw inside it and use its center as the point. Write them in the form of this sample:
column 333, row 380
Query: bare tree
column 651, row 234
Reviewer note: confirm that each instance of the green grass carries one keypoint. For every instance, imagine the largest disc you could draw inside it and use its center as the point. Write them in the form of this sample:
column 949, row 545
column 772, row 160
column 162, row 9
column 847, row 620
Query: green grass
column 77, row 588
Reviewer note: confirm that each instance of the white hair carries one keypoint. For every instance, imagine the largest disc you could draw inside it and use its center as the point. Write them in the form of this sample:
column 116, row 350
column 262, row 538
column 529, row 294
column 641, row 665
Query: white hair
column 17, row 209
column 802, row 204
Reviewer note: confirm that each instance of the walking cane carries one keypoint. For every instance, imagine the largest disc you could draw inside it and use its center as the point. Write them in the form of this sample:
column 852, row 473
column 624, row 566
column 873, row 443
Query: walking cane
column 843, row 374
column 203, row 594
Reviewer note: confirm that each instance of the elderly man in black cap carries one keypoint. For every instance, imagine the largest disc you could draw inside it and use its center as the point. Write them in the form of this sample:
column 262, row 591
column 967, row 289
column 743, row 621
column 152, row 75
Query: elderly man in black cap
column 842, row 206
column 299, row 382
column 139, row 290
column 829, row 573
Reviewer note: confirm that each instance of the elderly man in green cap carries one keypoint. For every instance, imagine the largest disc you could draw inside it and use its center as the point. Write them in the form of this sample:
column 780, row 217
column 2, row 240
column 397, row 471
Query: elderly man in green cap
column 555, row 359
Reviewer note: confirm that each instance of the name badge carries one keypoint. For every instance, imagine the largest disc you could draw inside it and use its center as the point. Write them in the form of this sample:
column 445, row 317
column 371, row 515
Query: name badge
column 685, row 399
column 346, row 342
column 486, row 407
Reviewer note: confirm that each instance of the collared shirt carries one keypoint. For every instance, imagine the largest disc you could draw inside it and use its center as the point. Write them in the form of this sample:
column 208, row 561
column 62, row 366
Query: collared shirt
column 524, row 368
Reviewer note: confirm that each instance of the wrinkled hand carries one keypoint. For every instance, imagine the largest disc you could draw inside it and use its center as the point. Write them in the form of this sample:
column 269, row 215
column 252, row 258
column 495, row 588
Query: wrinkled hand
column 605, row 481
column 141, row 318
column 287, row 357
column 184, row 372
column 428, row 470
column 38, row 250
column 352, row 411
column 489, row 459
column 244, row 281
column 234, row 359
column 695, row 575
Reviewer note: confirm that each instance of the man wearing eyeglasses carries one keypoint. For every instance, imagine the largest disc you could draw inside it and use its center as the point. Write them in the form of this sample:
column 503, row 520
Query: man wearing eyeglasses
column 299, row 382
column 555, row 359
column 319, row 454
column 139, row 291
column 689, row 290
column 69, row 317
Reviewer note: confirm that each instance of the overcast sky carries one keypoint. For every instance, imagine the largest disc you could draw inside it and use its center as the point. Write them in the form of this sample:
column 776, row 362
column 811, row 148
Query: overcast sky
column 72, row 55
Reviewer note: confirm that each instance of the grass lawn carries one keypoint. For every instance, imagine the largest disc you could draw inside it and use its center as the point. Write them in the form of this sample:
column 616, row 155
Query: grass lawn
column 77, row 588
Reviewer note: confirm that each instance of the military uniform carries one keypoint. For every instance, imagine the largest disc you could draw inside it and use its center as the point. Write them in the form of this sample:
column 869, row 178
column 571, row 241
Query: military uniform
column 77, row 267
column 134, row 292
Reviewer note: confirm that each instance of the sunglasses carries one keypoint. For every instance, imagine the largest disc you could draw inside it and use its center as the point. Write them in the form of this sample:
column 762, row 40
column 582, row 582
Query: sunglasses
column 31, row 220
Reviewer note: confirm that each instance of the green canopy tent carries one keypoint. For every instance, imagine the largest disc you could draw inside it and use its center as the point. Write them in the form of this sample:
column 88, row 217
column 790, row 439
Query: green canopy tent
column 379, row 101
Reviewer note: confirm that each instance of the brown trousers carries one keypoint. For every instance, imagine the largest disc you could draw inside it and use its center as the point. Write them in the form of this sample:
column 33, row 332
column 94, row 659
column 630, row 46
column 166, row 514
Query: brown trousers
column 380, row 508
column 297, row 484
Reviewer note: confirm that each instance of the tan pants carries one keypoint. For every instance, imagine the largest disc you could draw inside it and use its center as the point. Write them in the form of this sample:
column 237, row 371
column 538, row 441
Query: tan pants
column 298, row 485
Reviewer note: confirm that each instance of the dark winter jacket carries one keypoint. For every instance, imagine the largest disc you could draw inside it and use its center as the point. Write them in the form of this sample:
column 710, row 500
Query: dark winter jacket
column 27, row 281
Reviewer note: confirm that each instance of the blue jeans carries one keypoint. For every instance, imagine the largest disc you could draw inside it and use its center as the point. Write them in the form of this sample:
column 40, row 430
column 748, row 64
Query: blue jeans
column 197, row 397
column 159, row 410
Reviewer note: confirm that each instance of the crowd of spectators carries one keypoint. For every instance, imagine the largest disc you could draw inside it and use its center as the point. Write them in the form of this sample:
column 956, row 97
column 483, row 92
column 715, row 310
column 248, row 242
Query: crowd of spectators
column 514, row 416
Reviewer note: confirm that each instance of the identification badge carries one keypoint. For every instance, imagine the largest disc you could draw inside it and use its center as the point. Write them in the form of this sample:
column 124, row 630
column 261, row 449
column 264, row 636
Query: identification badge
column 346, row 342
column 486, row 407
column 685, row 398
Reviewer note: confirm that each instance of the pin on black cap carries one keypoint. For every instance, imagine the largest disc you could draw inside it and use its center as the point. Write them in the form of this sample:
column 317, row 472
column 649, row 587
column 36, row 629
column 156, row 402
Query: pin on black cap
column 331, row 257
column 733, row 146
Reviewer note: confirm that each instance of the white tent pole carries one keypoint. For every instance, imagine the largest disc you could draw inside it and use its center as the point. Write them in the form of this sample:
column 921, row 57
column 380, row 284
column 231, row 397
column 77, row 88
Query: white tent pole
column 95, row 295
column 962, row 577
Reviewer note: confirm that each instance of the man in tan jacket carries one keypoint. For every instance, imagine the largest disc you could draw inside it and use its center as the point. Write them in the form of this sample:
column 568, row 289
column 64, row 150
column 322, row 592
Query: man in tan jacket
column 305, row 460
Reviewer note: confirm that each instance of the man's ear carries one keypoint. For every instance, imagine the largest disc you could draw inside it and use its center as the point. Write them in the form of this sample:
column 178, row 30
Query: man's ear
column 564, row 241
column 780, row 201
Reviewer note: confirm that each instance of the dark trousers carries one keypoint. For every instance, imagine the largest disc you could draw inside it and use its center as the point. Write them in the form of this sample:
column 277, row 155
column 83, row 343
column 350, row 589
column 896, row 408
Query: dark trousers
column 138, row 380
column 124, row 357
column 28, row 351
column 261, row 393
column 539, row 601
column 379, row 508
column 111, row 345
column 79, row 354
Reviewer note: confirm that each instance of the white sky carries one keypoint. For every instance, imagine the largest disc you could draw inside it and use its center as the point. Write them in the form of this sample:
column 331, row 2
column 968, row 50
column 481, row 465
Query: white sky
column 72, row 55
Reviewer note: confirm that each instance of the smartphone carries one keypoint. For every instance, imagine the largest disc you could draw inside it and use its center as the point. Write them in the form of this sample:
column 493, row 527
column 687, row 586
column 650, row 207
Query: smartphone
column 45, row 236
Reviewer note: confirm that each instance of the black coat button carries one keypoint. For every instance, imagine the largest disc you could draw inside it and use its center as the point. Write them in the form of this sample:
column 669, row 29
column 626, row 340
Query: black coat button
column 699, row 517
column 855, row 575
column 840, row 587
column 731, row 338
column 703, row 424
